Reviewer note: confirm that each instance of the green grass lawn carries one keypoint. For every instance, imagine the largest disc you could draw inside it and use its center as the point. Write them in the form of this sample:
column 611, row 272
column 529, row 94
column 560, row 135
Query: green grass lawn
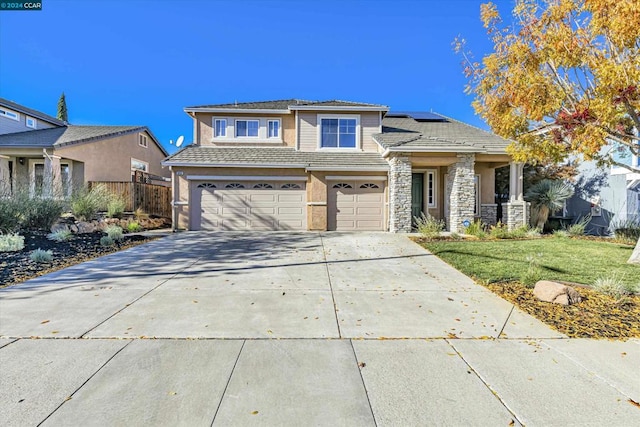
column 565, row 259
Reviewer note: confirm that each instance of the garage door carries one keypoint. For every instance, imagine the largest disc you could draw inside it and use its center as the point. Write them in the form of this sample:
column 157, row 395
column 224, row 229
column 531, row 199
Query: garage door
column 260, row 205
column 356, row 205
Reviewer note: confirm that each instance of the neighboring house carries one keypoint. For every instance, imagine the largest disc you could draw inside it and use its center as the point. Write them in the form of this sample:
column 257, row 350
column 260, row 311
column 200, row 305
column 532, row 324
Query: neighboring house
column 610, row 194
column 334, row 165
column 53, row 157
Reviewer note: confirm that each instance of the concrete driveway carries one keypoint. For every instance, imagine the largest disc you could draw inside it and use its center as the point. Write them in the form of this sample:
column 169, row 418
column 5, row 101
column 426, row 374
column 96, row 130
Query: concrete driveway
column 294, row 329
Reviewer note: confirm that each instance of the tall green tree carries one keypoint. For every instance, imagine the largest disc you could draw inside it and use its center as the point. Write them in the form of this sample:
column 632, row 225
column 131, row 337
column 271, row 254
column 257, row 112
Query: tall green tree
column 563, row 79
column 62, row 109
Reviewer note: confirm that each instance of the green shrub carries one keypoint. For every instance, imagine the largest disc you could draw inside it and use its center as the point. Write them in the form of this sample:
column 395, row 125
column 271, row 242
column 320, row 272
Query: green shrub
column 85, row 203
column 578, row 228
column 476, row 229
column 106, row 241
column 10, row 214
column 428, row 226
column 41, row 256
column 627, row 230
column 532, row 232
column 116, row 206
column 42, row 213
column 520, row 232
column 560, row 234
column 133, row 227
column 614, row 286
column 114, row 232
column 11, row 243
column 533, row 273
column 500, row 231
column 60, row 235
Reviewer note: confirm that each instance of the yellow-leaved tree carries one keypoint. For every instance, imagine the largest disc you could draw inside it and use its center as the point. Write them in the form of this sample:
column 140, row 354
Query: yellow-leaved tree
column 563, row 78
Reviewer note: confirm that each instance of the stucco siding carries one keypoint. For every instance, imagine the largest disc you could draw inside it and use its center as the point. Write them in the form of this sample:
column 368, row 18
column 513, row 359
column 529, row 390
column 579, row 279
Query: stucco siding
column 309, row 132
column 204, row 130
column 110, row 159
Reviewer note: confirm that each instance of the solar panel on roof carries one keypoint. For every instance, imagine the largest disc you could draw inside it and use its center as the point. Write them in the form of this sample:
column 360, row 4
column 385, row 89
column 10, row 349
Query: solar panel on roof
column 418, row 115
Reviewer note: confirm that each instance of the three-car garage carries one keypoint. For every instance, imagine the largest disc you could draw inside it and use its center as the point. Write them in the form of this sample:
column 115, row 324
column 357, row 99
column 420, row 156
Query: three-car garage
column 280, row 203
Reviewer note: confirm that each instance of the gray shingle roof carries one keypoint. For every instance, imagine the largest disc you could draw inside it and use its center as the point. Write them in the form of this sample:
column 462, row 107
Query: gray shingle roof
column 285, row 156
column 58, row 137
column 30, row 112
column 402, row 132
column 284, row 104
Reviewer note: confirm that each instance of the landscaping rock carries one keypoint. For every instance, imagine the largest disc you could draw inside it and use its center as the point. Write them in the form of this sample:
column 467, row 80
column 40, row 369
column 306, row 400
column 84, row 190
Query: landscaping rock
column 557, row 293
column 86, row 227
column 59, row 226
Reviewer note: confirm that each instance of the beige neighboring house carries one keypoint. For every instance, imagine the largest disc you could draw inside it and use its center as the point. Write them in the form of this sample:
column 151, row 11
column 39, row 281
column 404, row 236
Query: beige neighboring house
column 335, row 165
column 53, row 157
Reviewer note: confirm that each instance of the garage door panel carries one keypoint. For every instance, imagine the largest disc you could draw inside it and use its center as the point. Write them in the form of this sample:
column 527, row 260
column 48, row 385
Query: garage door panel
column 356, row 205
column 263, row 206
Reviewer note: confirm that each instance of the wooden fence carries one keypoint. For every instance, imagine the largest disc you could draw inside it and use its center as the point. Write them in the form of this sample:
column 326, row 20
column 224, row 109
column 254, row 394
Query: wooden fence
column 153, row 199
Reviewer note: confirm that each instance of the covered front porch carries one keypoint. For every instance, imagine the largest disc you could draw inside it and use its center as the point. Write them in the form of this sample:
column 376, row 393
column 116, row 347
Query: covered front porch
column 456, row 187
column 39, row 172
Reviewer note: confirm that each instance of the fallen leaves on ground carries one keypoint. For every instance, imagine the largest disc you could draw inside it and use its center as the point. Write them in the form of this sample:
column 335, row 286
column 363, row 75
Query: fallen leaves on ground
column 597, row 316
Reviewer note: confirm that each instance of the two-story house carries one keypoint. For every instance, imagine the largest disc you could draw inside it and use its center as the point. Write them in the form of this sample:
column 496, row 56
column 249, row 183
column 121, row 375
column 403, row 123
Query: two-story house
column 49, row 156
column 334, row 165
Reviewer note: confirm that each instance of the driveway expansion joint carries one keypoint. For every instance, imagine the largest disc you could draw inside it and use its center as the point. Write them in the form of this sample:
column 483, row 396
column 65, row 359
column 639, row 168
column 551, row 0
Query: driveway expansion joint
column 494, row 392
column 226, row 386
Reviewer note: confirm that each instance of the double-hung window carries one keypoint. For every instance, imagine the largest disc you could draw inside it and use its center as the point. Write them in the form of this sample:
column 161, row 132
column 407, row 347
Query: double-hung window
column 220, row 126
column 247, row 128
column 273, row 130
column 338, row 133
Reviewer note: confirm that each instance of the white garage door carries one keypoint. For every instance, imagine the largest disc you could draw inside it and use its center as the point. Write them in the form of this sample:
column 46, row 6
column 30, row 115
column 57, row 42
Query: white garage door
column 260, row 205
column 356, row 205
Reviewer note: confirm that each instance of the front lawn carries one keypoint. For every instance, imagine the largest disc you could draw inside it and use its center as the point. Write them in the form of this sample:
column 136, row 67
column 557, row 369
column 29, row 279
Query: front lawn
column 501, row 265
column 565, row 259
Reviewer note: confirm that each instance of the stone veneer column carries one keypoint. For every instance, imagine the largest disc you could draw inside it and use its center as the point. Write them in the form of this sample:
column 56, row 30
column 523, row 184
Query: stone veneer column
column 462, row 199
column 399, row 194
column 489, row 213
column 518, row 214
column 5, row 185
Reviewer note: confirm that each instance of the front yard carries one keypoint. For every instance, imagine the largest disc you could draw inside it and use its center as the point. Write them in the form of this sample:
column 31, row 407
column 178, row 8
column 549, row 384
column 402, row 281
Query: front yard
column 506, row 266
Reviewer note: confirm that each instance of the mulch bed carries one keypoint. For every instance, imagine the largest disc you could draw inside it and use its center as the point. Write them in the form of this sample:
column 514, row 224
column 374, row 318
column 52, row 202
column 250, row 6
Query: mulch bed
column 16, row 267
column 597, row 316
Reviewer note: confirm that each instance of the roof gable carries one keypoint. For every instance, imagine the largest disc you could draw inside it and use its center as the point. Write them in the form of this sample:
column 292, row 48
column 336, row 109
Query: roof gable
column 69, row 135
column 30, row 112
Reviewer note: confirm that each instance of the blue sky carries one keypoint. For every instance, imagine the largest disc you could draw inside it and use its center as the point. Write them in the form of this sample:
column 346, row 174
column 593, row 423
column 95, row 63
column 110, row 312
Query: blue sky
column 124, row 62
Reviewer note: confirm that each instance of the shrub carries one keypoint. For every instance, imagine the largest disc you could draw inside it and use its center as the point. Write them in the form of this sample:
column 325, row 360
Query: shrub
column 627, row 230
column 614, row 286
column 533, row 232
column 476, row 229
column 578, row 228
column 114, row 232
column 428, row 226
column 41, row 256
column 42, row 213
column 85, row 203
column 106, row 241
column 456, row 236
column 560, row 234
column 533, row 272
column 140, row 214
column 60, row 235
column 10, row 214
column 115, row 206
column 11, row 243
column 546, row 197
column 521, row 232
column 133, row 227
column 499, row 231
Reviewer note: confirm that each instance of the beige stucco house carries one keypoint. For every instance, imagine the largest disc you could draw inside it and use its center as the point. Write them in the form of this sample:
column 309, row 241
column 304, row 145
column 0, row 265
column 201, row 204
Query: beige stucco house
column 53, row 157
column 334, row 165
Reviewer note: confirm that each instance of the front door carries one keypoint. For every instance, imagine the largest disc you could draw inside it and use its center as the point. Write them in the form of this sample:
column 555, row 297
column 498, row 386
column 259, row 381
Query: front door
column 417, row 194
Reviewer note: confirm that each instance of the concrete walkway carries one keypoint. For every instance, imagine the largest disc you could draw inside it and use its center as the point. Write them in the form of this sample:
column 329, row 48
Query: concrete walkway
column 294, row 329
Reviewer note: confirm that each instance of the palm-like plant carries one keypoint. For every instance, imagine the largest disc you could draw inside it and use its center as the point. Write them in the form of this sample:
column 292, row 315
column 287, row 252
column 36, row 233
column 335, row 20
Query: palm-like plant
column 547, row 196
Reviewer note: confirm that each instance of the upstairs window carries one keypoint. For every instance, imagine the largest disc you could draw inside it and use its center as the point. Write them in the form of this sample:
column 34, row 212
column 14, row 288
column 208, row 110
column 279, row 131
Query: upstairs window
column 273, row 130
column 338, row 133
column 30, row 122
column 9, row 114
column 142, row 140
column 247, row 128
column 220, row 126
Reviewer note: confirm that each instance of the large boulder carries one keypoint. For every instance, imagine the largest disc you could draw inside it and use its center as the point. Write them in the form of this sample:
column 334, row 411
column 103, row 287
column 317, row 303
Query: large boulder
column 557, row 293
